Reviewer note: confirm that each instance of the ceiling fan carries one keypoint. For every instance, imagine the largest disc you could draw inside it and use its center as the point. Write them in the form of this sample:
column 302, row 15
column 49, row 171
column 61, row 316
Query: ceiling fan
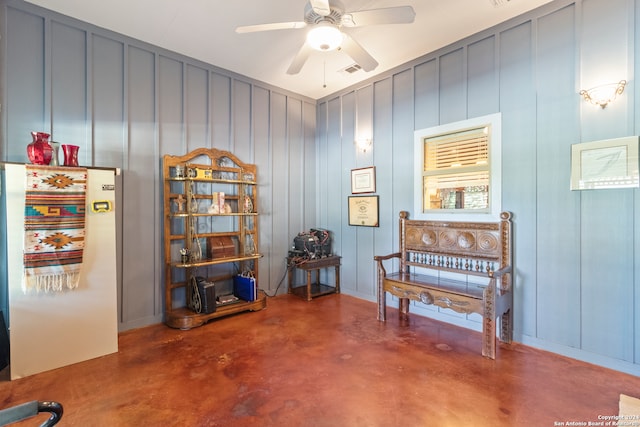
column 326, row 21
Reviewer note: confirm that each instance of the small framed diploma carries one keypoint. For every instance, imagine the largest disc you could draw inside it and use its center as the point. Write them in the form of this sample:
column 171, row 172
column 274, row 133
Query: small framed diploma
column 363, row 211
column 363, row 180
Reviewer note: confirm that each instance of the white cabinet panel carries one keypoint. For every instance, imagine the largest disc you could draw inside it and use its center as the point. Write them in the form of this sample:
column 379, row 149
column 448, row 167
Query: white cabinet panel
column 51, row 330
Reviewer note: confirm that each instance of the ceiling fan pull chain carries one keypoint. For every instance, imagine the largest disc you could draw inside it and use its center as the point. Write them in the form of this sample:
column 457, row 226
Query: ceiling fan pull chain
column 324, row 77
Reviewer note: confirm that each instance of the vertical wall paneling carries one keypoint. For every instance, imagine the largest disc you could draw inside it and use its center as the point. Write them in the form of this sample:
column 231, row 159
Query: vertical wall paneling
column 453, row 105
column 141, row 274
column 363, row 125
column 332, row 175
column 295, row 166
column 350, row 235
column 69, row 88
column 269, row 266
column 310, row 162
column 386, row 236
column 365, row 268
column 242, row 121
column 402, row 137
column 558, row 255
column 426, row 95
column 607, row 279
column 604, row 59
column 322, row 136
column 518, row 107
column 330, row 170
column 170, row 103
column 108, row 102
column 482, row 78
column 196, row 110
column 607, row 251
column 322, row 196
column 170, row 107
column 25, row 72
column 280, row 183
column 221, row 111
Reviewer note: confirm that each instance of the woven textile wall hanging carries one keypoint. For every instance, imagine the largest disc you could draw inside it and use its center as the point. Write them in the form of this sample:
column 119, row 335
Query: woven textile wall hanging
column 54, row 223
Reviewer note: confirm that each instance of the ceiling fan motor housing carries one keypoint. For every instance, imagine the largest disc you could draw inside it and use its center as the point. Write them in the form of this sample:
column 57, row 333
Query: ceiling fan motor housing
column 335, row 17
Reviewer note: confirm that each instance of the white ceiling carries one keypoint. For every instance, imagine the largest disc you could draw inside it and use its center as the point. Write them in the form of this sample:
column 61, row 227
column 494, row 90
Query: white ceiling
column 205, row 30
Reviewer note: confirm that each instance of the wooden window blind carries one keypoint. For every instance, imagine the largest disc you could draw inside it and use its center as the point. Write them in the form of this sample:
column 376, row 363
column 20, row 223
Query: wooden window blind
column 456, row 171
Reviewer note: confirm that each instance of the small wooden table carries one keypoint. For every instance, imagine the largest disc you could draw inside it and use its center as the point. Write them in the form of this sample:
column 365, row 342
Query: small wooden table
column 311, row 290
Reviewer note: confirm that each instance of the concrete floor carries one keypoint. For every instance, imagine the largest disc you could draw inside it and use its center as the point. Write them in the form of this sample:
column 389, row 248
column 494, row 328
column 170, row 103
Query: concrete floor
column 327, row 362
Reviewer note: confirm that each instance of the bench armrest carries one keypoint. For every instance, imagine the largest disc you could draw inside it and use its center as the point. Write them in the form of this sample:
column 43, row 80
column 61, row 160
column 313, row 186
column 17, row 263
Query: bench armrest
column 385, row 257
column 504, row 285
column 380, row 258
column 500, row 272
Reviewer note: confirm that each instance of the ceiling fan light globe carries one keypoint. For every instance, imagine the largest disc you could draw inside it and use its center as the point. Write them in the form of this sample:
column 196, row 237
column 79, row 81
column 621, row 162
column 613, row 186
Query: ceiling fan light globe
column 324, row 37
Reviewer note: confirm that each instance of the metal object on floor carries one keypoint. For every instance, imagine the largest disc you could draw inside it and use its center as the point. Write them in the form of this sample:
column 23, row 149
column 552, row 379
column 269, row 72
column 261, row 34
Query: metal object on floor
column 31, row 409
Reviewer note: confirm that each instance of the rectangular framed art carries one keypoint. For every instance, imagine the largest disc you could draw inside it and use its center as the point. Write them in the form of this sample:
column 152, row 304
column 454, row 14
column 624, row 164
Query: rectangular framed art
column 610, row 163
column 363, row 180
column 363, row 211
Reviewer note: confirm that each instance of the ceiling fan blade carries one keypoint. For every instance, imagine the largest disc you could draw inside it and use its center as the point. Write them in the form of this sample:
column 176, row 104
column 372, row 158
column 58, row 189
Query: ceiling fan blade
column 390, row 15
column 321, row 7
column 358, row 54
column 270, row 27
column 300, row 59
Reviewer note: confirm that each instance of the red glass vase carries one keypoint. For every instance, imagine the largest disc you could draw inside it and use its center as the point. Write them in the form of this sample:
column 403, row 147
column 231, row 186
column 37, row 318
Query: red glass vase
column 39, row 151
column 70, row 154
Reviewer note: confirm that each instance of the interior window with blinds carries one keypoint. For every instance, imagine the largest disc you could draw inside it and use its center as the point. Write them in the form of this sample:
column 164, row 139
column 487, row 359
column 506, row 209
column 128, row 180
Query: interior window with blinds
column 456, row 170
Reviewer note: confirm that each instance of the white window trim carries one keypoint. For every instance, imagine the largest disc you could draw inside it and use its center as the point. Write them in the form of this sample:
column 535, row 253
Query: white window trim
column 495, row 180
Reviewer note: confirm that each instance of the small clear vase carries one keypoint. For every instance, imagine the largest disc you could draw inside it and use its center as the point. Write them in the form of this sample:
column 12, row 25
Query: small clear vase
column 55, row 147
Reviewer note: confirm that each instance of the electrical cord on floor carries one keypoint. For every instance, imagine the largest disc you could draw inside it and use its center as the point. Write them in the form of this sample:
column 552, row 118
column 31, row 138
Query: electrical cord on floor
column 293, row 262
column 279, row 283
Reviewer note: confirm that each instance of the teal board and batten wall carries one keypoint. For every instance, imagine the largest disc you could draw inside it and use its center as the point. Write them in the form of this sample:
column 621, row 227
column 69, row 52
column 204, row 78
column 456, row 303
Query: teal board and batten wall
column 126, row 104
column 577, row 254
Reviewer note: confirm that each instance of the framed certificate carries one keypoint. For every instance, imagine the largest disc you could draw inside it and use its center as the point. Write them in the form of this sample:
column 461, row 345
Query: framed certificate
column 363, row 211
column 363, row 180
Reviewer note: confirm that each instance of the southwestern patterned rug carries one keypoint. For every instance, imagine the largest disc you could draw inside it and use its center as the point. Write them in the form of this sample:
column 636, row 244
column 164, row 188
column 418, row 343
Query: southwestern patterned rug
column 54, row 221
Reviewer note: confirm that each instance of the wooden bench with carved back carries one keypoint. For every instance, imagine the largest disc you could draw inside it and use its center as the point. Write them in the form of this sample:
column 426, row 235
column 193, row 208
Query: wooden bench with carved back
column 462, row 266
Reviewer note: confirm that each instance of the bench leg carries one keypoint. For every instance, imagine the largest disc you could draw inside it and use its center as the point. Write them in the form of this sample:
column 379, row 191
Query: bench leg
column 489, row 337
column 403, row 306
column 489, row 322
column 506, row 327
column 382, row 302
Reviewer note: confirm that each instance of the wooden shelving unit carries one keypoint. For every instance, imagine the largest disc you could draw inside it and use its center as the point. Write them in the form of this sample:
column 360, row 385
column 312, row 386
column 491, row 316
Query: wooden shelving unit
column 210, row 197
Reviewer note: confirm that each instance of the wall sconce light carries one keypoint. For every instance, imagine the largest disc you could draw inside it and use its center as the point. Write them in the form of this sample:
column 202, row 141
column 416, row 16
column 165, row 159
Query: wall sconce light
column 364, row 144
column 603, row 94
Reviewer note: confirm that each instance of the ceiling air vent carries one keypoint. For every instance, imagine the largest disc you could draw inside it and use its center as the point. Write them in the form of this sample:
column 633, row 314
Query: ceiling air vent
column 498, row 3
column 351, row 69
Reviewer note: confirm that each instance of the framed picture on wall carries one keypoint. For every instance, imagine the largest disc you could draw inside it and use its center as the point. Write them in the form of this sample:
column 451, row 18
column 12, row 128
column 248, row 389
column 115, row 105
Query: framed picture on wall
column 611, row 163
column 363, row 180
column 363, row 211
